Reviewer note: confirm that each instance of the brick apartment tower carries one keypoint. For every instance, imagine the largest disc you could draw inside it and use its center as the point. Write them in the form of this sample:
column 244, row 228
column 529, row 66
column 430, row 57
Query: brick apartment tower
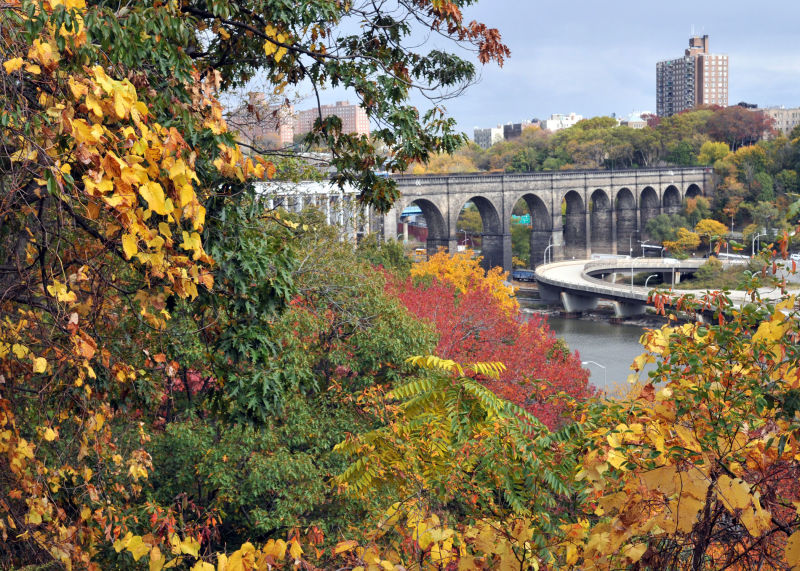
column 354, row 118
column 698, row 78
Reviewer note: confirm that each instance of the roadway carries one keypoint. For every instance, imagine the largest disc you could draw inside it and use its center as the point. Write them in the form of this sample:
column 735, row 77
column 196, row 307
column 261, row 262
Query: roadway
column 570, row 283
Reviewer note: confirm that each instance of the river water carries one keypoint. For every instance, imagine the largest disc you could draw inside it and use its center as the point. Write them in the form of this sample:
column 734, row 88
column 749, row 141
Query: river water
column 612, row 347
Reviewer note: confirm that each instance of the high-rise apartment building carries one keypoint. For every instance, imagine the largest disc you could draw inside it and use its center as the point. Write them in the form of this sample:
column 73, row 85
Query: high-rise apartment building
column 485, row 138
column 354, row 118
column 698, row 78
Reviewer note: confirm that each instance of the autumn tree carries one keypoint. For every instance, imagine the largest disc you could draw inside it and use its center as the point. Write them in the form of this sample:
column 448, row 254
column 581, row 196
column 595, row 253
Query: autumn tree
column 697, row 469
column 738, row 126
column 711, row 152
column 476, row 319
column 137, row 261
column 685, row 241
column 709, row 230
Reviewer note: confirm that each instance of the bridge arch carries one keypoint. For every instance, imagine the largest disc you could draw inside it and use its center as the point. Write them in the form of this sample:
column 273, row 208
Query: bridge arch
column 626, row 219
column 672, row 200
column 601, row 222
column 649, row 207
column 492, row 234
column 574, row 225
column 438, row 234
column 541, row 228
column 693, row 191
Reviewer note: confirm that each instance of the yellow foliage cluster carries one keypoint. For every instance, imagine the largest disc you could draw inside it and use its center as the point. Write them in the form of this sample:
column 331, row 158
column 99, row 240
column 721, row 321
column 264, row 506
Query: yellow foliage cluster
column 463, row 270
column 417, row 536
column 687, row 240
column 121, row 191
column 671, row 471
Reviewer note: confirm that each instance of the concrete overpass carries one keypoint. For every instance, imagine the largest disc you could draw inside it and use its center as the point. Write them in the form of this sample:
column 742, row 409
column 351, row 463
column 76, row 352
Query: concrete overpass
column 604, row 211
column 579, row 284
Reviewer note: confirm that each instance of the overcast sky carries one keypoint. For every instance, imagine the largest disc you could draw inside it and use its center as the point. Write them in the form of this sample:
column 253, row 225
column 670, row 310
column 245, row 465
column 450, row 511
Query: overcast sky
column 597, row 58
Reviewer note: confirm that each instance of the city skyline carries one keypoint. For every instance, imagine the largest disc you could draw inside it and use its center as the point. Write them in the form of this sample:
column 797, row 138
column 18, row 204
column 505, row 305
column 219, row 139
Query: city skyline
column 596, row 60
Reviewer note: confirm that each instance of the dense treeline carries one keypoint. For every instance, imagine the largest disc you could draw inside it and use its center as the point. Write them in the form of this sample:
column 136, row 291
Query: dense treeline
column 600, row 143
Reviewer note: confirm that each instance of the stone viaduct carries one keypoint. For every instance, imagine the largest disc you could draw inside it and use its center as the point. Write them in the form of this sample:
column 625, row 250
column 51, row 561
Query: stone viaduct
column 574, row 214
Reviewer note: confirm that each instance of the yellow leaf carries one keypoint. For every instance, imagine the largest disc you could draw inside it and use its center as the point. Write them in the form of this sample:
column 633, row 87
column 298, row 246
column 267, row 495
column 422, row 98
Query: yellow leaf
column 121, row 107
column 756, row 519
column 686, row 508
column 78, row 89
column 295, row 550
column 792, row 552
column 661, row 479
column 688, row 438
column 203, row 566
column 616, row 459
column 735, row 492
column 634, row 552
column 93, row 104
column 50, row 434
column 60, row 292
column 154, row 195
column 344, row 546
column 21, row 351
column 190, row 546
column 39, row 365
column 137, row 547
column 129, row 245
column 275, row 548
column 13, row 64
column 157, row 559
column 122, row 542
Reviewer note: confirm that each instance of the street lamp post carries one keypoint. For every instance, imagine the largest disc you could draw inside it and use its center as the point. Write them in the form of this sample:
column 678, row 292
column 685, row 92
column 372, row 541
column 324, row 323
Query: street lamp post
column 605, row 376
column 648, row 278
column 544, row 261
column 729, row 237
column 753, row 245
column 630, row 254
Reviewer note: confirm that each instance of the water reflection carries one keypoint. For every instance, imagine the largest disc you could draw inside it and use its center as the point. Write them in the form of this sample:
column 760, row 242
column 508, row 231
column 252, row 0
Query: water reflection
column 614, row 346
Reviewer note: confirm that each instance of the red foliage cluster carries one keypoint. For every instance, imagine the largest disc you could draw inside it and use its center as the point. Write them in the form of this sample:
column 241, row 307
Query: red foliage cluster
column 473, row 327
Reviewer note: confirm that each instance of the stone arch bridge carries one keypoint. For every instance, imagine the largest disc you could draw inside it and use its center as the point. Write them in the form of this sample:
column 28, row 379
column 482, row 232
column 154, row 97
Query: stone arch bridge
column 604, row 212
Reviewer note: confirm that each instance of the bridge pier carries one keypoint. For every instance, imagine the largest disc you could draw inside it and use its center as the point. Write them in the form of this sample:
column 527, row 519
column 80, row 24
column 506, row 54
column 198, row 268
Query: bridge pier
column 577, row 303
column 549, row 294
column 496, row 250
column 433, row 245
column 624, row 309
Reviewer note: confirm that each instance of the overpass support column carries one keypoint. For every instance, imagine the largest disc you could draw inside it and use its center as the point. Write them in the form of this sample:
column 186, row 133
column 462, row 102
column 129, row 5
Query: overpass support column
column 624, row 309
column 577, row 303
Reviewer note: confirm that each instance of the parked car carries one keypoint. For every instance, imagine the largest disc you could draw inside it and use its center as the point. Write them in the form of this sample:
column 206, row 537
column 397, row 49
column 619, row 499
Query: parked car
column 523, row 275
